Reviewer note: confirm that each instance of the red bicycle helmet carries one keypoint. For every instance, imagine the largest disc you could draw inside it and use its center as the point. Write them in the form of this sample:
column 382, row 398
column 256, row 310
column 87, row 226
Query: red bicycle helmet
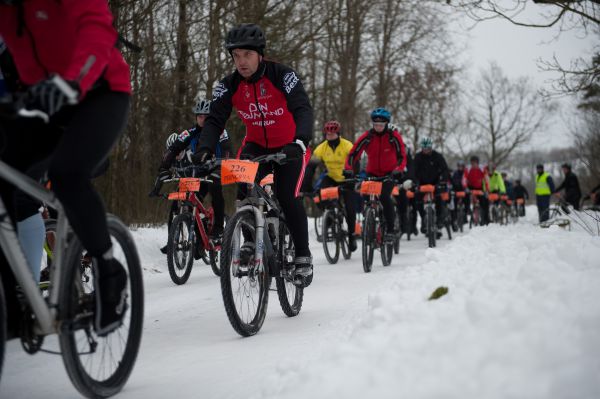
column 332, row 127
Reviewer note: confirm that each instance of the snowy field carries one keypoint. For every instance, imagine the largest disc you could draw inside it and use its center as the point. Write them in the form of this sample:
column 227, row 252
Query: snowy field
column 521, row 320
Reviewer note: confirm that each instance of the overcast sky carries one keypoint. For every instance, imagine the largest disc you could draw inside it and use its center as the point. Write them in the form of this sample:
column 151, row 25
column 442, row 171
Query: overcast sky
column 516, row 49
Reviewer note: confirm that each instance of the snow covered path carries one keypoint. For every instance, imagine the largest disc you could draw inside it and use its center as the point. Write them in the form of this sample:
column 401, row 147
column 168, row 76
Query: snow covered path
column 521, row 320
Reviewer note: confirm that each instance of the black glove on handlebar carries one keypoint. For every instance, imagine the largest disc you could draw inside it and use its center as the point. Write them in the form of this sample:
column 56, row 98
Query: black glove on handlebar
column 348, row 174
column 52, row 94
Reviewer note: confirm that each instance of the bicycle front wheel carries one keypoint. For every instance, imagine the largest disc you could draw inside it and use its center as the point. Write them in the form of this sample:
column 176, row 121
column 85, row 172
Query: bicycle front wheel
column 180, row 248
column 244, row 283
column 2, row 325
column 431, row 228
column 331, row 244
column 99, row 367
column 368, row 240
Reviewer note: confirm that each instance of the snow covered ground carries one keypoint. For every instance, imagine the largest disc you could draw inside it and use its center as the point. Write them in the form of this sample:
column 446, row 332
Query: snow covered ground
column 521, row 320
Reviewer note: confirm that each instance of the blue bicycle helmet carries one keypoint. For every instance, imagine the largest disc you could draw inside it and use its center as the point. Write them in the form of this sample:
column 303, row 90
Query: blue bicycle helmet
column 381, row 113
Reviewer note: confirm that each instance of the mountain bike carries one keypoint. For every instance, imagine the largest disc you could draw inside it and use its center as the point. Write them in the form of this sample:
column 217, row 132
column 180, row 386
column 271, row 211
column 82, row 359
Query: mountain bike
column 374, row 226
column 511, row 211
column 335, row 236
column 428, row 191
column 397, row 224
column 189, row 235
column 496, row 209
column 476, row 216
column 410, row 213
column 461, row 214
column 520, row 205
column 97, row 366
column 259, row 224
column 445, row 215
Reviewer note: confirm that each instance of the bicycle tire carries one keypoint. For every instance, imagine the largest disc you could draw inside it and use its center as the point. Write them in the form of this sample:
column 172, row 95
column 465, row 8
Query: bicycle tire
column 286, row 289
column 387, row 251
column 460, row 217
column 2, row 325
column 72, row 297
column 368, row 236
column 397, row 232
column 180, row 248
column 431, row 229
column 261, row 279
column 215, row 261
column 330, row 237
column 318, row 220
column 409, row 222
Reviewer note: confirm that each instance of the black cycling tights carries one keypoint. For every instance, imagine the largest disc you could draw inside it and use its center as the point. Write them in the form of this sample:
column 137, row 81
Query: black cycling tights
column 285, row 179
column 71, row 147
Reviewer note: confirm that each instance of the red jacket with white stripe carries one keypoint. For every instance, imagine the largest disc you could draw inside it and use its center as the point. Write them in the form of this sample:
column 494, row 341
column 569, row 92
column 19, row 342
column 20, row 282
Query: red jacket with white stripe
column 386, row 152
column 60, row 37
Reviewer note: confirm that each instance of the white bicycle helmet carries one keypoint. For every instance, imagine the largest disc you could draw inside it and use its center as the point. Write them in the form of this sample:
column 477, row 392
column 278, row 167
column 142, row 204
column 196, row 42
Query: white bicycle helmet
column 202, row 107
column 171, row 139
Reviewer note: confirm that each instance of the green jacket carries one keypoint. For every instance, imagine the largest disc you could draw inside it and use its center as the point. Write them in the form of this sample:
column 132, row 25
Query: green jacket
column 497, row 184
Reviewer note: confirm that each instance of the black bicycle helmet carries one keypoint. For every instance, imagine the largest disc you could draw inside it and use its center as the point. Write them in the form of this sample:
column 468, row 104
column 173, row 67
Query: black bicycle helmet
column 246, row 36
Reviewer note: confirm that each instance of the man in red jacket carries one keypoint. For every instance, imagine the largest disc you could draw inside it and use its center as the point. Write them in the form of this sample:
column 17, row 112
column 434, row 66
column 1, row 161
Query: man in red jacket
column 271, row 102
column 477, row 180
column 386, row 155
column 66, row 59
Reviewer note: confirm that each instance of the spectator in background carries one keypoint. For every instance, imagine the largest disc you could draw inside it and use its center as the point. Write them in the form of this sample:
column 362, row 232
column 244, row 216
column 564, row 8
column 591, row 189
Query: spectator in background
column 544, row 187
column 571, row 186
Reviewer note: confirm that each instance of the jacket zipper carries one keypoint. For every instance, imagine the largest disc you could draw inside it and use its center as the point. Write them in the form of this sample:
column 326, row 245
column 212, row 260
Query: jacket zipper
column 261, row 114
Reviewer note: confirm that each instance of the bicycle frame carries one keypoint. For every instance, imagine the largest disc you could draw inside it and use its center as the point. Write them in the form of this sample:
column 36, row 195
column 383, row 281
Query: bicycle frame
column 45, row 313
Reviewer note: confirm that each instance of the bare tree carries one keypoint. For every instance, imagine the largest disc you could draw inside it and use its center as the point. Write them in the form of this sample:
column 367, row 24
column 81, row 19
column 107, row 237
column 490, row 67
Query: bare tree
column 580, row 15
column 504, row 114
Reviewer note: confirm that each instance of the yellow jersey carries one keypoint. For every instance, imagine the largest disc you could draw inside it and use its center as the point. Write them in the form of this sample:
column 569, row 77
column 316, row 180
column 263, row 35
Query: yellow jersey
column 334, row 160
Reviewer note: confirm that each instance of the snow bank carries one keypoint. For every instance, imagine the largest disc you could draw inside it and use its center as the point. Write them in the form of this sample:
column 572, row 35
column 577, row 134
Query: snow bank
column 521, row 320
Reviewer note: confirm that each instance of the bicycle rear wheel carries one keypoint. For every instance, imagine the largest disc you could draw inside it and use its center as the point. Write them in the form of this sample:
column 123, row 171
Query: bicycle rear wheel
column 244, row 285
column 368, row 240
column 409, row 222
column 331, row 243
column 460, row 217
column 180, row 248
column 2, row 325
column 99, row 367
column 290, row 295
column 397, row 233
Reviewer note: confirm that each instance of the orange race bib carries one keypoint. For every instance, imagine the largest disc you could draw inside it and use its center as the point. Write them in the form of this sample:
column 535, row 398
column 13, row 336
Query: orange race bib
column 427, row 188
column 445, row 196
column 477, row 193
column 177, row 196
column 316, row 199
column 493, row 197
column 268, row 179
column 460, row 194
column 329, row 193
column 238, row 171
column 396, row 191
column 371, row 187
column 189, row 184
column 520, row 201
column 410, row 194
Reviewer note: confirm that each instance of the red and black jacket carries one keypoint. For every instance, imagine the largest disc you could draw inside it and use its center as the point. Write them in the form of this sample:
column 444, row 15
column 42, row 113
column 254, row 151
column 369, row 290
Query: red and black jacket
column 272, row 104
column 60, row 37
column 386, row 152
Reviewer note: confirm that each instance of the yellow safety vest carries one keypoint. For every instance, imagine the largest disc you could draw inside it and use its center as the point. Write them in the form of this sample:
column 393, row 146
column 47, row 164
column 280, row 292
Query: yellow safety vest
column 541, row 184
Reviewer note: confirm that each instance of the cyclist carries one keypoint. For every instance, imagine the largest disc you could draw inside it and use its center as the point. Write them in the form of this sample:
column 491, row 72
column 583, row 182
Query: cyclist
column 333, row 152
column 520, row 192
column 544, row 187
column 386, row 155
column 74, row 73
column 430, row 168
column 271, row 101
column 459, row 183
column 495, row 181
column 477, row 180
column 406, row 183
column 183, row 147
column 571, row 186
